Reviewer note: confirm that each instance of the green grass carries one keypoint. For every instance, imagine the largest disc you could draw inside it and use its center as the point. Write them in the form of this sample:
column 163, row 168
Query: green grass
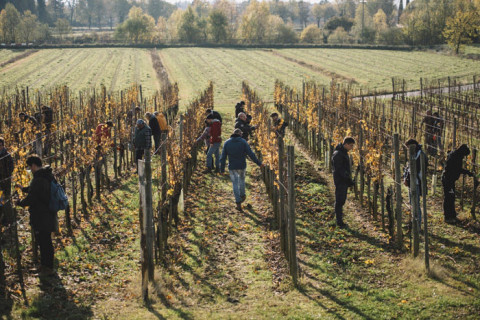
column 192, row 68
column 375, row 68
column 7, row 54
column 80, row 69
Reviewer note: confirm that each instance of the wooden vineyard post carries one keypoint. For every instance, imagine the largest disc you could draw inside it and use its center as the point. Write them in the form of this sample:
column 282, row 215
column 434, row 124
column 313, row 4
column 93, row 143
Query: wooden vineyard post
column 413, row 200
column 281, row 174
column 474, row 201
column 382, row 201
column 146, row 215
column 425, row 216
column 454, row 140
column 362, row 171
column 398, row 190
column 291, row 214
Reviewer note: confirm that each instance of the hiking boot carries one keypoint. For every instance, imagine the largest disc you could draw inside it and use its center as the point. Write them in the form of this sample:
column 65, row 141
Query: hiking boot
column 451, row 220
column 239, row 206
column 342, row 225
column 46, row 272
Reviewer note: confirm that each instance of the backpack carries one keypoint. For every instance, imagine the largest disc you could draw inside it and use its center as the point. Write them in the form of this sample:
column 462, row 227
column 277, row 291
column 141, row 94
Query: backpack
column 58, row 198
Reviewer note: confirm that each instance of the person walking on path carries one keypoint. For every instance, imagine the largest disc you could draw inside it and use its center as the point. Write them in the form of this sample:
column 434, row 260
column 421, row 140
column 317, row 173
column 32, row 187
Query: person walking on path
column 407, row 177
column 215, row 142
column 451, row 174
column 155, row 127
column 342, row 177
column 236, row 149
column 6, row 171
column 42, row 218
column 142, row 139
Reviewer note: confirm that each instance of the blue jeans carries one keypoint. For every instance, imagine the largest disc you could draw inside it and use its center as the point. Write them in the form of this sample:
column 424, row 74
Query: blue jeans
column 214, row 149
column 238, row 181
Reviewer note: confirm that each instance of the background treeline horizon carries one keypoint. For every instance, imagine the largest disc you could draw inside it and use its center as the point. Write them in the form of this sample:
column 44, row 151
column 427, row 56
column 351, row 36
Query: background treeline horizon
column 383, row 22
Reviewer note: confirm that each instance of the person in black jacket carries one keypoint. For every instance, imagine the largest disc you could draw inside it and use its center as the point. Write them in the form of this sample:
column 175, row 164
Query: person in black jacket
column 42, row 218
column 155, row 127
column 342, row 176
column 239, row 107
column 242, row 124
column 452, row 172
column 214, row 114
column 279, row 125
column 6, row 171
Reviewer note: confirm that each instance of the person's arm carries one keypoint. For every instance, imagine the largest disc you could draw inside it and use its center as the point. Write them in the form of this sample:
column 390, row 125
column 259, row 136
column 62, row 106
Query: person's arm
column 252, row 155
column 33, row 192
column 204, row 135
column 148, row 138
column 467, row 172
column 223, row 158
column 10, row 165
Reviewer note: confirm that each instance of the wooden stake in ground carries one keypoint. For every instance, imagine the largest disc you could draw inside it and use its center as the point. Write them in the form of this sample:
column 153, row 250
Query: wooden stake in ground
column 291, row 211
column 413, row 199
column 425, row 224
column 398, row 190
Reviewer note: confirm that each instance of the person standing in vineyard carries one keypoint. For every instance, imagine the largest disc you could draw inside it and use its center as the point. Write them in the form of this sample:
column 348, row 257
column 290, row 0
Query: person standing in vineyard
column 155, row 127
column 6, row 171
column 162, row 121
column 451, row 174
column 438, row 124
column 237, row 150
column 205, row 136
column 407, row 177
column 342, row 177
column 240, row 107
column 243, row 124
column 279, row 124
column 214, row 113
column 215, row 142
column 42, row 218
column 142, row 140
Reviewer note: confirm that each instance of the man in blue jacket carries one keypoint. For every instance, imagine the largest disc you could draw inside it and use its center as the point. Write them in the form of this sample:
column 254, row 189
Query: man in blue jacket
column 237, row 150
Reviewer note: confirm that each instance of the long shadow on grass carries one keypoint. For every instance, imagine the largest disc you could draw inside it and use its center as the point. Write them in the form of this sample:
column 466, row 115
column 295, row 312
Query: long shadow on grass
column 56, row 303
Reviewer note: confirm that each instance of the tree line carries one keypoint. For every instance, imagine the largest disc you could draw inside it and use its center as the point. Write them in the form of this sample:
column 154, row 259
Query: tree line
column 418, row 22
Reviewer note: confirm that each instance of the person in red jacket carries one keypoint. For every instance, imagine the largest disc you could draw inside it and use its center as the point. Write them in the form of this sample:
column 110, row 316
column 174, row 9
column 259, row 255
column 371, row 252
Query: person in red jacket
column 215, row 141
column 103, row 132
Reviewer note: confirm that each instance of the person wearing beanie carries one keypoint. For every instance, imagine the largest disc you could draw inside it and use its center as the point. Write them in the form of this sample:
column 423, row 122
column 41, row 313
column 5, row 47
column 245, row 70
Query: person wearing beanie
column 236, row 149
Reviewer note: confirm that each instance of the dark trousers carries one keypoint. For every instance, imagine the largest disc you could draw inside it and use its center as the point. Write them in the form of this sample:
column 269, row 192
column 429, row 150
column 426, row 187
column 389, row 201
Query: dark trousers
column 44, row 240
column 156, row 139
column 449, row 199
column 139, row 155
column 340, row 198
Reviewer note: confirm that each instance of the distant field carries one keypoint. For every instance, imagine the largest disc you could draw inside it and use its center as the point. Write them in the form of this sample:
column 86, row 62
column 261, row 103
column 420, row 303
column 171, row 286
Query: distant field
column 116, row 68
column 192, row 68
column 7, row 54
column 375, row 68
